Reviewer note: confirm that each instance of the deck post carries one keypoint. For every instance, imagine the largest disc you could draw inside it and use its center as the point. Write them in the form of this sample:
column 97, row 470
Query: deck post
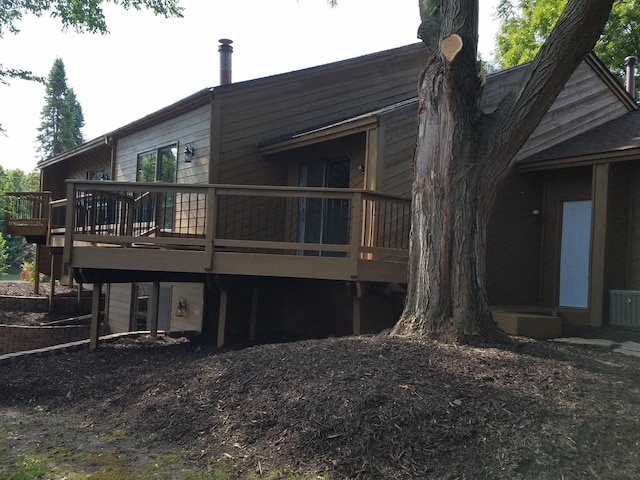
column 356, row 235
column 356, row 315
column 95, row 316
column 254, row 314
column 36, row 270
column 357, row 294
column 52, row 283
column 222, row 316
column 154, row 303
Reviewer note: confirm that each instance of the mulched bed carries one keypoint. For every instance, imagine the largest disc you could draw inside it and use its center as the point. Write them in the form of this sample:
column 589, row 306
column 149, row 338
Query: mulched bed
column 371, row 407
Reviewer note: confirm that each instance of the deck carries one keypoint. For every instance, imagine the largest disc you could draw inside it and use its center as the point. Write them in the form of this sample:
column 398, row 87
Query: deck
column 173, row 229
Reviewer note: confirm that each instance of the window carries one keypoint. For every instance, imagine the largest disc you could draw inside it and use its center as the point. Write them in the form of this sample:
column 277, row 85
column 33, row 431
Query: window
column 97, row 175
column 158, row 166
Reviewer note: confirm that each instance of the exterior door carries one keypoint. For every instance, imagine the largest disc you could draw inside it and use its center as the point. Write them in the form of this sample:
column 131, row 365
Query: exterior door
column 324, row 220
column 574, row 254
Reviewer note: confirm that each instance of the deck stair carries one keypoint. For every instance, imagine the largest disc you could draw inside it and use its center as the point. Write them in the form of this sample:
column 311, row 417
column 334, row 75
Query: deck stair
column 528, row 321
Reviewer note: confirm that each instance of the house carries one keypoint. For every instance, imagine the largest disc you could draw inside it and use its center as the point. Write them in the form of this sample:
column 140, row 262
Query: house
column 280, row 206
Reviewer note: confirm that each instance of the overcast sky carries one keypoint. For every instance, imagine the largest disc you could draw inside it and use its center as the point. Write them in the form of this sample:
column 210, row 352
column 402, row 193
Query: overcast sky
column 149, row 62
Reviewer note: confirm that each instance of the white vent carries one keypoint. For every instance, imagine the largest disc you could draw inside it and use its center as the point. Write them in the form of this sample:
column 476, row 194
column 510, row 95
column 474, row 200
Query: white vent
column 624, row 308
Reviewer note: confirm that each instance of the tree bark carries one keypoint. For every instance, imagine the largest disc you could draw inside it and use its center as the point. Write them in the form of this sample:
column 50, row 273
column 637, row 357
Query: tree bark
column 462, row 154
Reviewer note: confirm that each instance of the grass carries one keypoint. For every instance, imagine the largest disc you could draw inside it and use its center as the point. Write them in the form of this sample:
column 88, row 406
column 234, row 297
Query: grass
column 10, row 277
column 28, row 468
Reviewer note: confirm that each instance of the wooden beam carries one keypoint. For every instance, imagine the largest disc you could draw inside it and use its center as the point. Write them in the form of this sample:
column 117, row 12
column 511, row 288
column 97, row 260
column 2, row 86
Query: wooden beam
column 254, row 314
column 94, row 331
column 222, row 316
column 154, row 303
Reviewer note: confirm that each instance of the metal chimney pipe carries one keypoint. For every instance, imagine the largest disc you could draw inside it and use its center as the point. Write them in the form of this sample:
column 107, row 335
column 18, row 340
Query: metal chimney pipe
column 225, row 50
column 631, row 63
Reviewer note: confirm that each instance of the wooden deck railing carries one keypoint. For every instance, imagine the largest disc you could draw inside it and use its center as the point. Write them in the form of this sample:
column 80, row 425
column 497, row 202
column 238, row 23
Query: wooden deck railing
column 26, row 213
column 343, row 223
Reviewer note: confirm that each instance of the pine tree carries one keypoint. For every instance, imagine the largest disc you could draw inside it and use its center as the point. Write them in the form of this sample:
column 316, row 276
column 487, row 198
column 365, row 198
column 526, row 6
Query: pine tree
column 61, row 116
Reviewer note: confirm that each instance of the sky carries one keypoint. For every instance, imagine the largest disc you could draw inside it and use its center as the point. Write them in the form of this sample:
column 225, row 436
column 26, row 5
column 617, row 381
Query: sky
column 147, row 62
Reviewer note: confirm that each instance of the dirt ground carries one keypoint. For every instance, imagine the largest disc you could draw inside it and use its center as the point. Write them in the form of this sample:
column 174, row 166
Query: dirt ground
column 370, row 407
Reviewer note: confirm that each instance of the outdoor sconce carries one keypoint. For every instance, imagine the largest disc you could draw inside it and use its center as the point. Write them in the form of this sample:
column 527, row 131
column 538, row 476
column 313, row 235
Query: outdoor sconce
column 360, row 168
column 188, row 153
column 181, row 307
column 535, row 213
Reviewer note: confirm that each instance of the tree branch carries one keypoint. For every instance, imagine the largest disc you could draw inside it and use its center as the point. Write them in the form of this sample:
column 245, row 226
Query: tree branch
column 507, row 129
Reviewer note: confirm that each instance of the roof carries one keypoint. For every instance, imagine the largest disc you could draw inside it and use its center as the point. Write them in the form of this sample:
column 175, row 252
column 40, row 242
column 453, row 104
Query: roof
column 616, row 138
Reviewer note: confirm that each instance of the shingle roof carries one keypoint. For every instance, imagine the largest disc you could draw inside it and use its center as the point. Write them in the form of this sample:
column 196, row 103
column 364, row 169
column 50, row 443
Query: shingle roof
column 618, row 135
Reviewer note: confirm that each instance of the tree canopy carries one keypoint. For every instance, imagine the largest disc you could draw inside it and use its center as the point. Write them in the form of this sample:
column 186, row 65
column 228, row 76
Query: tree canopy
column 62, row 119
column 526, row 25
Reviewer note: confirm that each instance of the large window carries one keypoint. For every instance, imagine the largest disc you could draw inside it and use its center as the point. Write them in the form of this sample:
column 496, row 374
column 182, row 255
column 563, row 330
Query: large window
column 158, row 166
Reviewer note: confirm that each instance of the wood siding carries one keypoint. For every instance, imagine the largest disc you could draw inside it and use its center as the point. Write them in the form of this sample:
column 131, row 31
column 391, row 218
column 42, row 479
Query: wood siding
column 192, row 127
column 119, row 301
column 283, row 104
column 191, row 320
column 633, row 262
column 513, row 242
column 585, row 103
column 560, row 186
column 54, row 176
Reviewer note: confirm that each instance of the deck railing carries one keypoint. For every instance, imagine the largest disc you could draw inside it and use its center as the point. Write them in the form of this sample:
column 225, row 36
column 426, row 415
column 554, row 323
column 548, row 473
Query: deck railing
column 26, row 213
column 348, row 223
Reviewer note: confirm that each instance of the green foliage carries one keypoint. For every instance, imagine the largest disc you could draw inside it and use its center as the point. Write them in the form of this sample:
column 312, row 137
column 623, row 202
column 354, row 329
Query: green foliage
column 526, row 24
column 81, row 15
column 15, row 250
column 29, row 468
column 61, row 116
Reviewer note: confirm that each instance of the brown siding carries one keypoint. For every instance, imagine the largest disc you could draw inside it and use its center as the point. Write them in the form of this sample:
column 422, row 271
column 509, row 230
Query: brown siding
column 585, row 102
column 302, row 100
column 513, row 242
column 560, row 186
column 191, row 127
column 633, row 266
column 400, row 129
column 617, row 242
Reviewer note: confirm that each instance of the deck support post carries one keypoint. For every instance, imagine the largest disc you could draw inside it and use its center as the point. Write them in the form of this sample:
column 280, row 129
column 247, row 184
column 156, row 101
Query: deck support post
column 154, row 303
column 79, row 300
column 222, row 316
column 254, row 314
column 94, row 330
column 52, row 283
column 36, row 271
column 357, row 296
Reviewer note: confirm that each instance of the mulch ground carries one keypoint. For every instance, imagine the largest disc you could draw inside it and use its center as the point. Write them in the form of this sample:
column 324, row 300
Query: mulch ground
column 370, row 407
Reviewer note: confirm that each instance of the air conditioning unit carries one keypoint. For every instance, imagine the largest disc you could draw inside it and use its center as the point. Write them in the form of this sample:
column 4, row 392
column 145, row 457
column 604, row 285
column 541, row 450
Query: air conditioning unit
column 624, row 308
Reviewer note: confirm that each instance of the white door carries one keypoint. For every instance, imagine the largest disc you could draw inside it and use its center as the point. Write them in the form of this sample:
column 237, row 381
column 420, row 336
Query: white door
column 574, row 254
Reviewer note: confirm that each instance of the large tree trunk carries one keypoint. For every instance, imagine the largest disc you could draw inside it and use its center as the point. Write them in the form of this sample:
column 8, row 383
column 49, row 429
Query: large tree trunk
column 461, row 155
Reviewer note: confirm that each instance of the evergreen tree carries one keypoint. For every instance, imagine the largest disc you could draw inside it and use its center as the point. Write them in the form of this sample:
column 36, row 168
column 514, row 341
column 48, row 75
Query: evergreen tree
column 62, row 118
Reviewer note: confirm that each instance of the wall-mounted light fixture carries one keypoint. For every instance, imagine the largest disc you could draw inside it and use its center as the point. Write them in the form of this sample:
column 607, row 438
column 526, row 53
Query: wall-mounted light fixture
column 181, row 308
column 360, row 168
column 188, row 153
